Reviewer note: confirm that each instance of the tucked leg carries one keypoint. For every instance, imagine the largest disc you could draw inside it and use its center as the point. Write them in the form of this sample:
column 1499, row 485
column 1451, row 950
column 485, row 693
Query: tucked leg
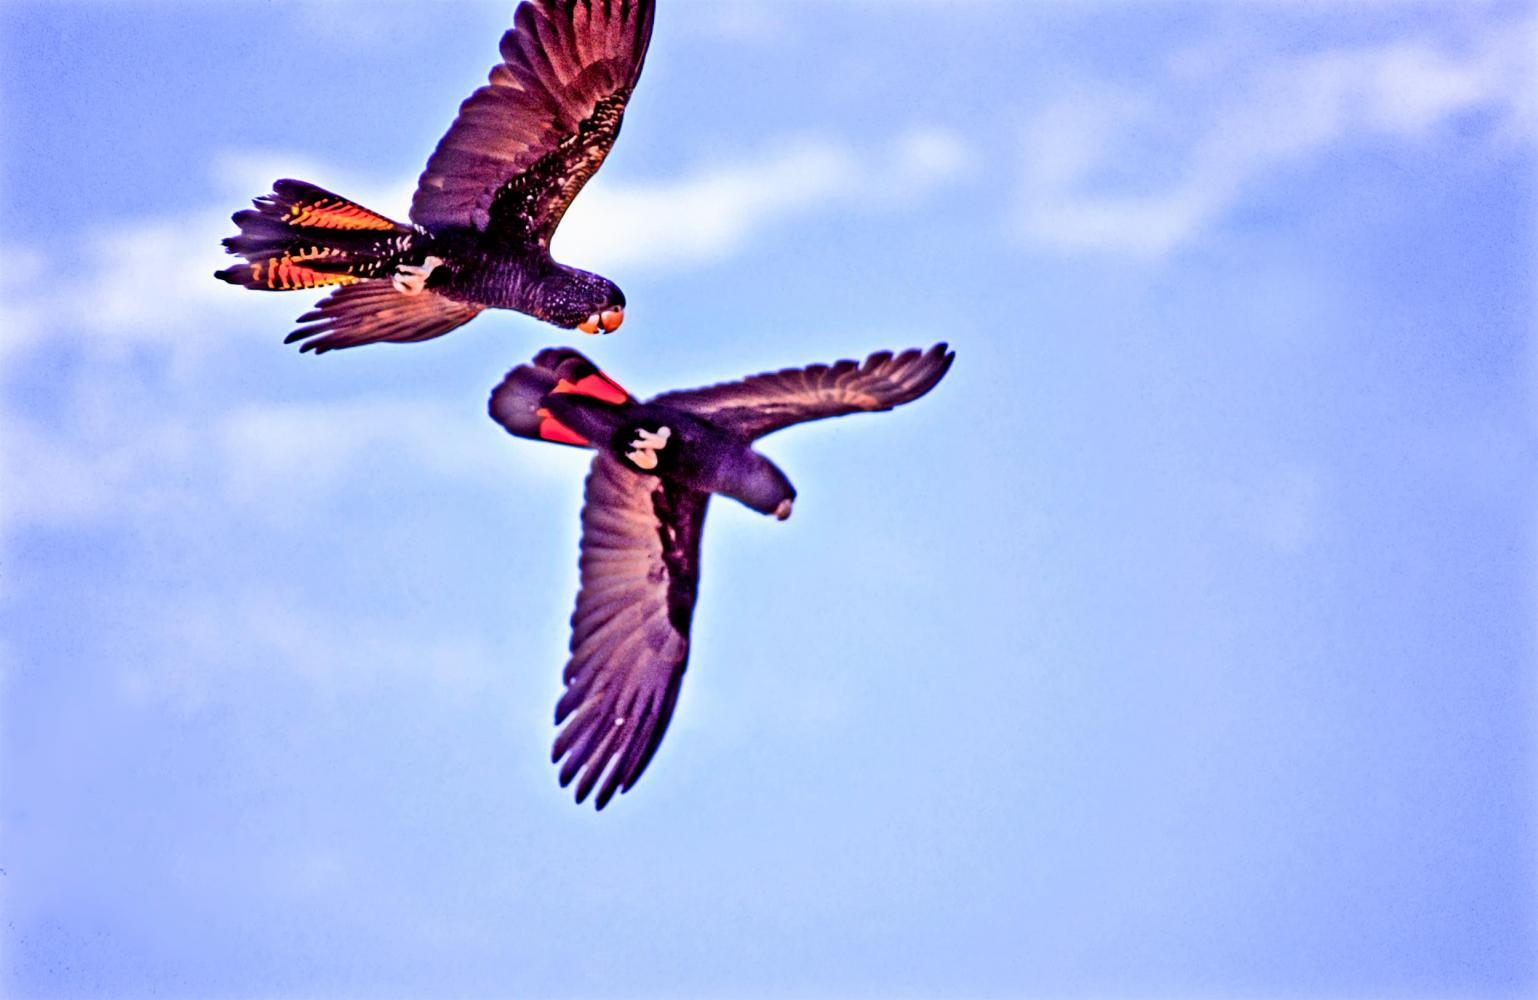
column 652, row 441
column 410, row 279
column 643, row 450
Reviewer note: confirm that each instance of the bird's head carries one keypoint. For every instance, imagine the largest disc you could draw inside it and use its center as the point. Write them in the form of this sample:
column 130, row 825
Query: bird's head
column 761, row 485
column 579, row 300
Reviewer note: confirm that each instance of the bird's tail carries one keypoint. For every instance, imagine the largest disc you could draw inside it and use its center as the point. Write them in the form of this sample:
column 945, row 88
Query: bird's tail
column 301, row 236
column 519, row 403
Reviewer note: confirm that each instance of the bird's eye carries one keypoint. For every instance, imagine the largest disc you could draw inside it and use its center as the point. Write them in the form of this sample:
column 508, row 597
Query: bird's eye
column 611, row 318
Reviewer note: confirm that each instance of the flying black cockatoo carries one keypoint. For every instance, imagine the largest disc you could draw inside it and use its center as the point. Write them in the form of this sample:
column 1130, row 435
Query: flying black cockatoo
column 486, row 206
column 658, row 463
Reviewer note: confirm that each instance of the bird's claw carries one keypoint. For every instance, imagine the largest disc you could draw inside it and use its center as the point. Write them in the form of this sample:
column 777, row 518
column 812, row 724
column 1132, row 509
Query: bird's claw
column 643, row 450
column 651, row 441
column 411, row 279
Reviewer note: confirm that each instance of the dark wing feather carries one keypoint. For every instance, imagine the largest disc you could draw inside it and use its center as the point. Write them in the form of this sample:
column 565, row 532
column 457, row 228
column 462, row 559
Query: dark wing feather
column 524, row 144
column 765, row 403
column 373, row 311
column 630, row 632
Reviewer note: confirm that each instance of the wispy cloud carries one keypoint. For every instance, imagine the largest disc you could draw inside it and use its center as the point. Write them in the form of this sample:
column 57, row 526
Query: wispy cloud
column 285, row 459
column 23, row 314
column 703, row 216
column 148, row 281
column 114, row 454
column 332, row 651
column 1148, row 173
column 713, row 211
column 116, row 458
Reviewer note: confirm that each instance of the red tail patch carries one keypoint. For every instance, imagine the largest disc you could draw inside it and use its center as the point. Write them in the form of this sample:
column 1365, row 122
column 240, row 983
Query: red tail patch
column 552, row 429
column 595, row 384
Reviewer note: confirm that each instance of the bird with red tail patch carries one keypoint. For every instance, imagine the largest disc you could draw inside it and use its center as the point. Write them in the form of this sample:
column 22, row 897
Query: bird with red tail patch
column 486, row 206
column 657, row 466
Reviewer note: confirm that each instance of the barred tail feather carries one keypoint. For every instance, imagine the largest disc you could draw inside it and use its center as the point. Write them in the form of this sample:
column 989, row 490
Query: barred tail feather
column 284, row 272
column 301, row 205
column 302, row 236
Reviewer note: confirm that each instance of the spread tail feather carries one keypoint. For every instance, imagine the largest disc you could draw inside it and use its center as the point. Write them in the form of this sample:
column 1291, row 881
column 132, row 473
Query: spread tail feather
column 519, row 402
column 302, row 236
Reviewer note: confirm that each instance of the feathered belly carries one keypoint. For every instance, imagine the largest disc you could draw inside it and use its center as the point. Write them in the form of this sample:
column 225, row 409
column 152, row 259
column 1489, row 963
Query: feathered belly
column 500, row 283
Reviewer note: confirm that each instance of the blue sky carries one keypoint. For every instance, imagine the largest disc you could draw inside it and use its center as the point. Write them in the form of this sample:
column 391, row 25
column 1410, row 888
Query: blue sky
column 1179, row 644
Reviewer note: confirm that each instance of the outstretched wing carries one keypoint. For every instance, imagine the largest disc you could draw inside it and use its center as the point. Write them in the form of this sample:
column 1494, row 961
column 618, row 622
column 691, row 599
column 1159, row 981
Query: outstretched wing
column 524, row 144
column 630, row 632
column 765, row 403
column 371, row 312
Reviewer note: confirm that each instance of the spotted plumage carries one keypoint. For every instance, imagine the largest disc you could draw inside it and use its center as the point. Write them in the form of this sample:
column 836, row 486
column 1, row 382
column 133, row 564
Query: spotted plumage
column 658, row 463
column 491, row 196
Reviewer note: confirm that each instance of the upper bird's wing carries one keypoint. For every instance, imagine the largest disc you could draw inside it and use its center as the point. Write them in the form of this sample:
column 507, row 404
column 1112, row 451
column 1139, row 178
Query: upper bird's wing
column 524, row 144
column 630, row 631
column 764, row 403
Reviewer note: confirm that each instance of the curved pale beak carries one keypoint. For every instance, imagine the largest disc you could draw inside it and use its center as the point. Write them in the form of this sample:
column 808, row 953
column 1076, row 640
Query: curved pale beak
column 783, row 510
column 590, row 325
column 610, row 319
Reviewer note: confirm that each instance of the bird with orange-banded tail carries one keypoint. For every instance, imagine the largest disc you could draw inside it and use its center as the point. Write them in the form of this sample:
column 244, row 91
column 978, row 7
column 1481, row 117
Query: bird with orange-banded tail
column 486, row 206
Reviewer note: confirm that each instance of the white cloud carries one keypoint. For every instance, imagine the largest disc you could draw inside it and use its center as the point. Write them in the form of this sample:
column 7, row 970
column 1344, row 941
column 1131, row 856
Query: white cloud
column 148, row 282
column 296, row 454
column 241, row 176
column 332, row 651
column 702, row 216
column 929, row 155
column 283, row 460
column 1146, row 174
column 112, row 457
column 53, row 480
column 711, row 213
column 23, row 317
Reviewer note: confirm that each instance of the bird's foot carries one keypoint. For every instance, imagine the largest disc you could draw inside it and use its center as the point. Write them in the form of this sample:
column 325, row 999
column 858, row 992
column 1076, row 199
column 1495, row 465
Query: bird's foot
column 643, row 450
column 652, row 441
column 410, row 279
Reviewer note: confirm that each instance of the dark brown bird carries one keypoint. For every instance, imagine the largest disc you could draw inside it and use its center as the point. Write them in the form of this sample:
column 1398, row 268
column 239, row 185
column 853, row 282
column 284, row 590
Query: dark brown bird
column 658, row 463
column 492, row 195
